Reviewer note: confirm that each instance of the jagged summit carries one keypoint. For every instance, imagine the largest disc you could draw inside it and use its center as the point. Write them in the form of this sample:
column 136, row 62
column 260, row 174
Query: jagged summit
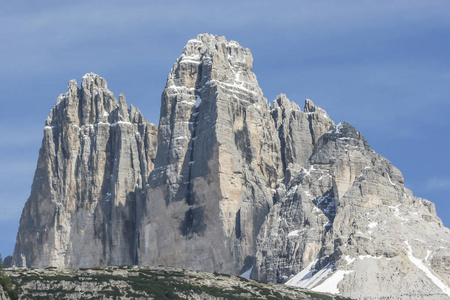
column 92, row 104
column 345, row 132
column 227, row 183
column 93, row 165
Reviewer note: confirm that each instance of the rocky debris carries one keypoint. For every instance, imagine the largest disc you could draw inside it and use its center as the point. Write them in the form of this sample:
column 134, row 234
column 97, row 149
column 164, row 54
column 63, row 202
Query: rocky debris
column 227, row 183
column 89, row 184
column 135, row 282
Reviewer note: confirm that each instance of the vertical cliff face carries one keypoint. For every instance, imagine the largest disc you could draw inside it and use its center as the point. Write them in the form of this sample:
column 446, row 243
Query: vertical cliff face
column 93, row 165
column 227, row 183
column 224, row 156
column 217, row 163
column 348, row 225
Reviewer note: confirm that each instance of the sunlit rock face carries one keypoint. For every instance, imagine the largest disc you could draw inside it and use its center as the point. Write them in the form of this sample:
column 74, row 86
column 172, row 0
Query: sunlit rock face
column 347, row 225
column 222, row 153
column 227, row 183
column 93, row 166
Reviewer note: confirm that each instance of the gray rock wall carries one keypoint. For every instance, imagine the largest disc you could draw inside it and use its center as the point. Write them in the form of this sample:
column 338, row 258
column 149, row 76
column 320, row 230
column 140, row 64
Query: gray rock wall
column 93, row 165
column 347, row 215
column 227, row 183
column 217, row 163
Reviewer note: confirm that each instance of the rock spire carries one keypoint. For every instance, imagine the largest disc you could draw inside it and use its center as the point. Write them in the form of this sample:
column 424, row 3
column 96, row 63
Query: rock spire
column 227, row 183
column 93, row 165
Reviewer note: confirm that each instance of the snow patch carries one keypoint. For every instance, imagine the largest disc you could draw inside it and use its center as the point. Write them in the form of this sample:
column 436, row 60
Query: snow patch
column 424, row 268
column 397, row 212
column 349, row 259
column 293, row 233
column 247, row 273
column 303, row 275
column 120, row 122
column 361, row 257
column 331, row 284
column 389, row 177
column 428, row 255
column 372, row 225
column 292, row 190
column 181, row 138
column 336, row 129
column 308, row 278
column 190, row 61
column 198, row 101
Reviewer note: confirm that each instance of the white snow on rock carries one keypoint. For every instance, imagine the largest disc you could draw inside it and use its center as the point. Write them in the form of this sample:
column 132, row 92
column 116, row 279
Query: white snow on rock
column 331, row 284
column 247, row 273
column 418, row 262
column 198, row 101
column 396, row 211
column 293, row 233
column 361, row 257
column 308, row 278
column 303, row 275
column 349, row 259
column 372, row 225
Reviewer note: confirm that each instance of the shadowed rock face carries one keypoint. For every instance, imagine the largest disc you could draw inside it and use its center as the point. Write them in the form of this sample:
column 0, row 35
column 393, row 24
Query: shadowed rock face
column 227, row 183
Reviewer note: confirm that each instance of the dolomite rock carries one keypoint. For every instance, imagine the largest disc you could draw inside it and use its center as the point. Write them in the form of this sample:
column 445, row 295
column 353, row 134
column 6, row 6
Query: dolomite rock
column 227, row 183
column 93, row 165
column 217, row 163
column 298, row 132
column 224, row 156
column 348, row 225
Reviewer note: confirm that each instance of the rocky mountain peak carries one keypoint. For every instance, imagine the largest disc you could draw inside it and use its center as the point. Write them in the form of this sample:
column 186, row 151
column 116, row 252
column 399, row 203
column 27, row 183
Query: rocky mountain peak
column 89, row 104
column 93, row 166
column 92, row 80
column 344, row 133
column 227, row 183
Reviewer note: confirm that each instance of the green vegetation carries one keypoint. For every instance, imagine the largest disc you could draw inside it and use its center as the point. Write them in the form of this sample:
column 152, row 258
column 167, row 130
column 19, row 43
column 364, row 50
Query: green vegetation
column 131, row 282
column 319, row 296
column 325, row 297
column 5, row 282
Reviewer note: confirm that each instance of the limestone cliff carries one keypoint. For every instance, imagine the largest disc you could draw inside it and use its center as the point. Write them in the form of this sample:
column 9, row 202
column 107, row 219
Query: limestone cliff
column 93, row 165
column 347, row 225
column 222, row 152
column 227, row 183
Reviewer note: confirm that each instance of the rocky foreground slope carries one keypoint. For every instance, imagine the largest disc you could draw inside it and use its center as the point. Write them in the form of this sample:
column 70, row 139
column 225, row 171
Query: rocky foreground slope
column 147, row 283
column 227, row 183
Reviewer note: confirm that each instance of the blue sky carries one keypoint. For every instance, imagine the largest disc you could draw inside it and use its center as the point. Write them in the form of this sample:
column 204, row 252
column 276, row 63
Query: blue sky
column 382, row 66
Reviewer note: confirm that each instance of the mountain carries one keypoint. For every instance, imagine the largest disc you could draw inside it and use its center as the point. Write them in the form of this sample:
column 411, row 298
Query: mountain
column 92, row 169
column 227, row 183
